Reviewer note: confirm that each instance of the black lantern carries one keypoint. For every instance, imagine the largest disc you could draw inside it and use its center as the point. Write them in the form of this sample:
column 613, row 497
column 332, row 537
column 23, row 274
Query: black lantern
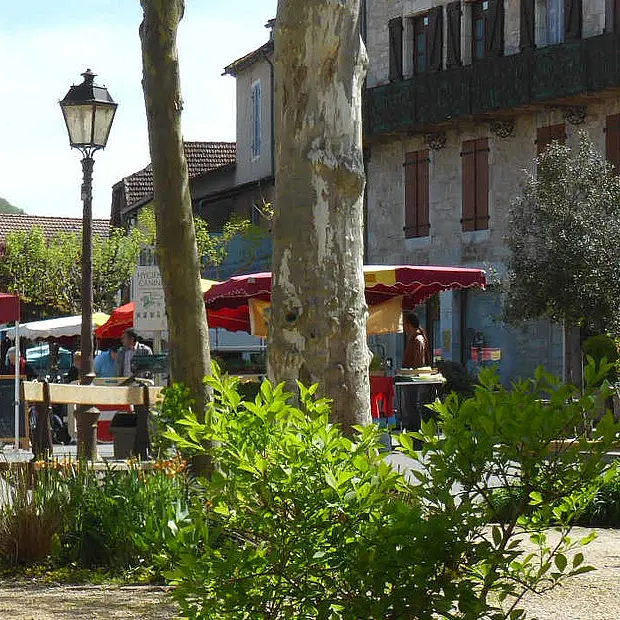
column 89, row 111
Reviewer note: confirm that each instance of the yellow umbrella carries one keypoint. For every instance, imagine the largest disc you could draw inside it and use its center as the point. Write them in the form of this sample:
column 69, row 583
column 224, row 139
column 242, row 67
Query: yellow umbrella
column 205, row 285
column 99, row 318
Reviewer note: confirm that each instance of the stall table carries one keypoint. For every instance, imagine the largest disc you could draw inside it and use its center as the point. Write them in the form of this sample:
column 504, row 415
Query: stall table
column 413, row 393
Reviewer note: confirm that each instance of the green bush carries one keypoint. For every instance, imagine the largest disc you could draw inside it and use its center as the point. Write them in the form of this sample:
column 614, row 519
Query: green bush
column 30, row 519
column 602, row 347
column 118, row 519
column 302, row 522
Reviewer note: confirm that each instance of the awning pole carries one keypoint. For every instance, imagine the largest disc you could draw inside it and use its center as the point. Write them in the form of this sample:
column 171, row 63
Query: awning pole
column 17, row 374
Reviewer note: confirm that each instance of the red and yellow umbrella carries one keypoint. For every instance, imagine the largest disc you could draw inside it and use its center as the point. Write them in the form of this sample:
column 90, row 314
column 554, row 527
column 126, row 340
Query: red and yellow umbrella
column 236, row 303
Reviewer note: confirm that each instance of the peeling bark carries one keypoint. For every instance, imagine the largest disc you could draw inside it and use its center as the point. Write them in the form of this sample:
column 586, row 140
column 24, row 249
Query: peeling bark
column 318, row 311
column 176, row 238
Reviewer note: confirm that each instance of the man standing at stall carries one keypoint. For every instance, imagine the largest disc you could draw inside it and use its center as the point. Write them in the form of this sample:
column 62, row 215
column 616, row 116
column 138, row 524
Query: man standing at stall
column 131, row 347
column 417, row 350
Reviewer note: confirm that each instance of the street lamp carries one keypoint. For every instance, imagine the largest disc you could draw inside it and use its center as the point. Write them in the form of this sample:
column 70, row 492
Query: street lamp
column 89, row 111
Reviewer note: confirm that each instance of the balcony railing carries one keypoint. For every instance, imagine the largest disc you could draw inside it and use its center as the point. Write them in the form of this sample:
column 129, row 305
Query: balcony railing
column 543, row 75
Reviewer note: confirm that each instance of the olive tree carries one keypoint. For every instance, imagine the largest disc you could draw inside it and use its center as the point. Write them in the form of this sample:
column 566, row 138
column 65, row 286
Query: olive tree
column 564, row 235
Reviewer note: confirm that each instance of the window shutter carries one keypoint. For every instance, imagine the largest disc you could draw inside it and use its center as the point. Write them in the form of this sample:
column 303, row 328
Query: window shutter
column 468, row 166
column 475, row 180
column 546, row 135
column 495, row 25
column 481, row 221
column 572, row 19
column 612, row 141
column 395, row 30
column 411, row 194
column 416, row 194
column 528, row 36
column 423, row 215
column 435, row 41
column 453, row 15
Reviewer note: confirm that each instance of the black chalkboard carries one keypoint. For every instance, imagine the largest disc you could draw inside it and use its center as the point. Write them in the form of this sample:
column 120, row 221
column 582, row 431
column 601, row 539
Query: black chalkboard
column 7, row 410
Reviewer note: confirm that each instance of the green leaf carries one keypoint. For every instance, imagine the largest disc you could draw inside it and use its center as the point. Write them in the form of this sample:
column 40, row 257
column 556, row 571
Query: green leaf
column 560, row 561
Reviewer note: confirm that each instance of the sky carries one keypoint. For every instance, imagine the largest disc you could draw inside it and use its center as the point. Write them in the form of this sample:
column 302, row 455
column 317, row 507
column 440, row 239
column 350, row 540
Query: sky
column 44, row 47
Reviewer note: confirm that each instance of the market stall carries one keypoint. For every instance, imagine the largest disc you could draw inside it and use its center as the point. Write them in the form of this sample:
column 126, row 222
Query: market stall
column 240, row 304
column 64, row 327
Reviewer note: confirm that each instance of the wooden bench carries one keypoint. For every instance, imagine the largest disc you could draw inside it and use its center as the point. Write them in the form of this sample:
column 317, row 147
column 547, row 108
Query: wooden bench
column 45, row 395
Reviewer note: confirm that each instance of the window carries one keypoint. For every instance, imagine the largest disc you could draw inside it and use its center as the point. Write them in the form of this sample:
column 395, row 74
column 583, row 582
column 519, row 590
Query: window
column 479, row 30
column 416, row 194
column 428, row 41
column 256, row 112
column 555, row 21
column 546, row 135
column 395, row 33
column 475, row 180
column 487, row 31
column 420, row 40
column 612, row 141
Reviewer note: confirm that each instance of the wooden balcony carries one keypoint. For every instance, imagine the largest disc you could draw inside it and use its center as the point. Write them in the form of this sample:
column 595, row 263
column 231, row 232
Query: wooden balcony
column 542, row 76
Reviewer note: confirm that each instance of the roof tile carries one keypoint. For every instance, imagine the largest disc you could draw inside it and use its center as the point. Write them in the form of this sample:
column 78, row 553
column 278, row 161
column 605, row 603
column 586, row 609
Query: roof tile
column 10, row 222
column 201, row 157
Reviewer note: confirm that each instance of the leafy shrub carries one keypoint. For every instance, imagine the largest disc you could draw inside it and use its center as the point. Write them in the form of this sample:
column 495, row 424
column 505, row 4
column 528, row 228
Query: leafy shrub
column 30, row 520
column 601, row 347
column 302, row 522
column 118, row 519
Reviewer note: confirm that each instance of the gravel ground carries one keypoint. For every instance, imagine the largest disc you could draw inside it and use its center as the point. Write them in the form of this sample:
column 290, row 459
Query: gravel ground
column 592, row 596
column 31, row 600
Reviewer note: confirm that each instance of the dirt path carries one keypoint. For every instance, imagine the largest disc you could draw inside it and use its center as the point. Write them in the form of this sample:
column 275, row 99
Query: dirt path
column 24, row 600
column 593, row 596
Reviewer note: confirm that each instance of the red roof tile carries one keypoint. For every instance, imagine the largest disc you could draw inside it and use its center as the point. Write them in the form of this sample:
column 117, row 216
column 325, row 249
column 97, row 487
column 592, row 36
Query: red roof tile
column 10, row 222
column 201, row 157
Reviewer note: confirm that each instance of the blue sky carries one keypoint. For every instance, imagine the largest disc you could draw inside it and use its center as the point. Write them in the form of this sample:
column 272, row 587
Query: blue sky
column 46, row 45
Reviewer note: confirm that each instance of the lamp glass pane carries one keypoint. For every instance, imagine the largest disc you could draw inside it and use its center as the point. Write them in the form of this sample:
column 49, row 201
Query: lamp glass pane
column 79, row 123
column 103, row 121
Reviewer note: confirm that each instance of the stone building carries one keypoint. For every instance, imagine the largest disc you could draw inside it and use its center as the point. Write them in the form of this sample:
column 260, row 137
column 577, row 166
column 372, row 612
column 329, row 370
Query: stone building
column 461, row 96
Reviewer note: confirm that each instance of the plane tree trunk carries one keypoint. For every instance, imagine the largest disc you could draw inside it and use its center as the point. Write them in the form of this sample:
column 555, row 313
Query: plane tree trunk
column 318, row 313
column 176, row 238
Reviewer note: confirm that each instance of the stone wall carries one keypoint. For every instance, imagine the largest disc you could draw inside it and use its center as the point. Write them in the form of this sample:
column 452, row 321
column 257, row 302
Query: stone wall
column 509, row 161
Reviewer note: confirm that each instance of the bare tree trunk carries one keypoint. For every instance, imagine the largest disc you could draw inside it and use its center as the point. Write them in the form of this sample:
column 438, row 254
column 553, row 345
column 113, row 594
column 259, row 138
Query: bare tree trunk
column 318, row 312
column 176, row 238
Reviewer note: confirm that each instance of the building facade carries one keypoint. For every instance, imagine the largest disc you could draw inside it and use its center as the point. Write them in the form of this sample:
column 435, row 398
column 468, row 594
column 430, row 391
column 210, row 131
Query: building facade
column 461, row 97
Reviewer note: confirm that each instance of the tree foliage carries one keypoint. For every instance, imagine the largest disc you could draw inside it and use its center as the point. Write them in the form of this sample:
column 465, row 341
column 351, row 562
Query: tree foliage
column 212, row 247
column 46, row 272
column 564, row 235
column 299, row 521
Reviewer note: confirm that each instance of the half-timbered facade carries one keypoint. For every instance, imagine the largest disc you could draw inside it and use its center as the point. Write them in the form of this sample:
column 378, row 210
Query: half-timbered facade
column 461, row 97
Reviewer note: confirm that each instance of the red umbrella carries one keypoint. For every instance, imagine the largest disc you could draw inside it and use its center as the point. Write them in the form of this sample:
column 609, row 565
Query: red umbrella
column 227, row 302
column 120, row 319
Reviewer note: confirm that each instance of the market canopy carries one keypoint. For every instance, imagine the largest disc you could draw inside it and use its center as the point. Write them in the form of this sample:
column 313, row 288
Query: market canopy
column 238, row 303
column 9, row 308
column 123, row 316
column 64, row 327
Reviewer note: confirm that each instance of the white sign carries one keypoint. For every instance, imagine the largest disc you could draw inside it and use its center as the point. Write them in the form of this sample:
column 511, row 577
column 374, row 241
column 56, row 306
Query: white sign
column 148, row 295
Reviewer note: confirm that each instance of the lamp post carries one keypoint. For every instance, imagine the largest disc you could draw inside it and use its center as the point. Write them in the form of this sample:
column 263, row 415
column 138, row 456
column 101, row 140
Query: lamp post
column 88, row 110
